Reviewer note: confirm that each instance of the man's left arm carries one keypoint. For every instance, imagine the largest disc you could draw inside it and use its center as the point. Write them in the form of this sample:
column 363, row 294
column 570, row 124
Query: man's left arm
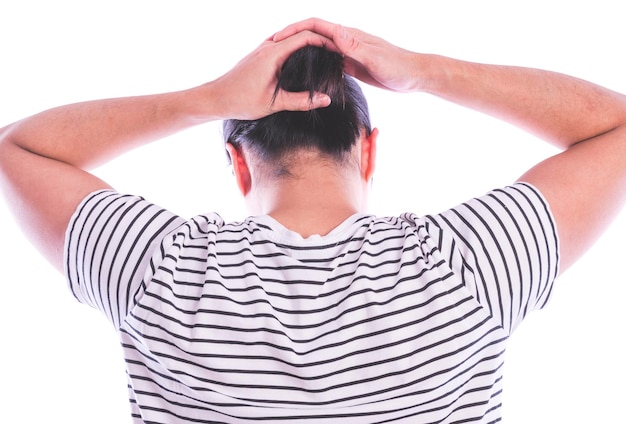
column 585, row 184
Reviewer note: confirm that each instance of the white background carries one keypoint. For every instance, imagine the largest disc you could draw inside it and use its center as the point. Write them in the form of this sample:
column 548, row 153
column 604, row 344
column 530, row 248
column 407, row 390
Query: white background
column 61, row 361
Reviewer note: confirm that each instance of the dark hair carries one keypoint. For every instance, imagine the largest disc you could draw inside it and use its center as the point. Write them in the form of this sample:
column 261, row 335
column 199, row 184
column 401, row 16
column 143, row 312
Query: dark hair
column 332, row 130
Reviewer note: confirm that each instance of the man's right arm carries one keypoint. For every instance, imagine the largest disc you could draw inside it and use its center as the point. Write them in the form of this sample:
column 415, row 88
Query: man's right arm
column 45, row 158
column 585, row 184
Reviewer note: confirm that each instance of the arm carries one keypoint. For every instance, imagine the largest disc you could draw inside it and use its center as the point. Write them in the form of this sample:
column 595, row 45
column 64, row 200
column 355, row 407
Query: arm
column 585, row 184
column 44, row 159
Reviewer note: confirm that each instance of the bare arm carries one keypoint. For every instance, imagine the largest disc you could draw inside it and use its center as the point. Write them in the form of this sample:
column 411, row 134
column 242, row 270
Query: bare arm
column 585, row 184
column 44, row 159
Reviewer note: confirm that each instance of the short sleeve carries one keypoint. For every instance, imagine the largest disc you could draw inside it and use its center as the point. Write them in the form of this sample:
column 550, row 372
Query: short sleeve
column 109, row 248
column 505, row 247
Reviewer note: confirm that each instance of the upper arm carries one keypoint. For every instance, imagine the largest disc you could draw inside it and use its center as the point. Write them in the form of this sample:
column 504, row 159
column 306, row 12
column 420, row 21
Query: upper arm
column 43, row 194
column 115, row 244
column 504, row 247
column 585, row 187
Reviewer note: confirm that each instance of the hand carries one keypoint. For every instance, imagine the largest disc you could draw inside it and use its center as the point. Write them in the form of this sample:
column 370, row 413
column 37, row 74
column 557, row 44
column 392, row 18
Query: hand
column 368, row 58
column 247, row 90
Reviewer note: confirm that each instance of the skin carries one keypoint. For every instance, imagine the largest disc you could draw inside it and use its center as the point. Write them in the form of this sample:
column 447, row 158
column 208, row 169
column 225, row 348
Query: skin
column 44, row 159
column 585, row 184
column 318, row 194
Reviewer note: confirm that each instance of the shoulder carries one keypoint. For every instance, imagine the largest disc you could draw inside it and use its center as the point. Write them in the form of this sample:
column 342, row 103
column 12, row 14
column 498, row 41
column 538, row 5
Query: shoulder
column 506, row 243
column 513, row 211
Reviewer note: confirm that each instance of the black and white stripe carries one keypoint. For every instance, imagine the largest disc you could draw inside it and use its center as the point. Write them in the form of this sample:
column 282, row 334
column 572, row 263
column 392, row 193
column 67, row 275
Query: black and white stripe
column 382, row 320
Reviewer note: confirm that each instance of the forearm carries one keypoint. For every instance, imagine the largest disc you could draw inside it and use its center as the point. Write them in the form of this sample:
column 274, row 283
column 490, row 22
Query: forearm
column 558, row 108
column 44, row 158
column 90, row 133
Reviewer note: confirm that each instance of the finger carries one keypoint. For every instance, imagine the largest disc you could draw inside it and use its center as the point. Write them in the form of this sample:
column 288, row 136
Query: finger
column 357, row 70
column 313, row 24
column 340, row 39
column 343, row 39
column 306, row 38
column 346, row 40
column 302, row 101
column 352, row 44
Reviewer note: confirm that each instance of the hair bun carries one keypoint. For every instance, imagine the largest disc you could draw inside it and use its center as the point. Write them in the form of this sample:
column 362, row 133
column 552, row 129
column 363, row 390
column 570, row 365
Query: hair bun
column 313, row 69
column 331, row 130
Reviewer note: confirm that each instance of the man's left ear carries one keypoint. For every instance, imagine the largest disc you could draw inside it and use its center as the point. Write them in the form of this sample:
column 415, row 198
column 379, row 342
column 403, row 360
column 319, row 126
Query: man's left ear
column 368, row 154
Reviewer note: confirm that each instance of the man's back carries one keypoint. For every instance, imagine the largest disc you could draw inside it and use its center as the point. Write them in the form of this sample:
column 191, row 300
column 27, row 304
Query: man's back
column 389, row 317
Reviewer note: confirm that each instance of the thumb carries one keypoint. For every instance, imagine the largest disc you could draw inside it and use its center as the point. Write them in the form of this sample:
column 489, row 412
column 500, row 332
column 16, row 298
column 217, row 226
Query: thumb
column 302, row 101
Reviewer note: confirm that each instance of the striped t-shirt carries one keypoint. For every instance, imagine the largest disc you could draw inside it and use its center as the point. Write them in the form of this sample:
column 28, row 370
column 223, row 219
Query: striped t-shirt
column 396, row 319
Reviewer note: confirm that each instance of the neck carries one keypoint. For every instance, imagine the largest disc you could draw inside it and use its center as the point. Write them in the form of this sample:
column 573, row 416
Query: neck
column 315, row 201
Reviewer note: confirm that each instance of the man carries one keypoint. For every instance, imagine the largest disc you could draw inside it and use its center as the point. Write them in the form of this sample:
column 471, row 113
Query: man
column 313, row 309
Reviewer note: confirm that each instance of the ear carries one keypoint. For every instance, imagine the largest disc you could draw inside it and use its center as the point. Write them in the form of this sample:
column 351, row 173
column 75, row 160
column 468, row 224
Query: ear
column 368, row 155
column 240, row 169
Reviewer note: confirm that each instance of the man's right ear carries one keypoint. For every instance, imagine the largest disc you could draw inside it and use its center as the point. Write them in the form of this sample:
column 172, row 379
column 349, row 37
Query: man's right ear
column 240, row 169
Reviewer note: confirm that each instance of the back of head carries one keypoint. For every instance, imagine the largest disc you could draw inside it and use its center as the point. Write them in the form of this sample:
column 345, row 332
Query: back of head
column 332, row 131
